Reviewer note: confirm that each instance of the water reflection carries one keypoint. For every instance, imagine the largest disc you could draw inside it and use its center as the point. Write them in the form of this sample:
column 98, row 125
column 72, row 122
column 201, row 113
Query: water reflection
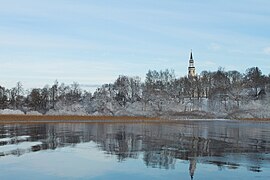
column 221, row 143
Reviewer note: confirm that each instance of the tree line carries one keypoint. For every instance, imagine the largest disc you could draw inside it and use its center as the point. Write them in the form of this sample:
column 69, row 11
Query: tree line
column 222, row 89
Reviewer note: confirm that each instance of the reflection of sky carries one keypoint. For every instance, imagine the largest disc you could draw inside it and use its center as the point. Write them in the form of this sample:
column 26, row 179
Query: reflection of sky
column 207, row 171
column 82, row 161
column 86, row 161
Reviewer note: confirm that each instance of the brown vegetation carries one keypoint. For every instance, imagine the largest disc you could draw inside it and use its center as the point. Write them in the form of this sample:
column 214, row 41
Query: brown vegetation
column 255, row 119
column 94, row 119
column 74, row 118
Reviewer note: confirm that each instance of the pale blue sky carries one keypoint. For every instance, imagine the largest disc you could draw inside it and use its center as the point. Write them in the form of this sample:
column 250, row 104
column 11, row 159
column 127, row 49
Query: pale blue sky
column 94, row 41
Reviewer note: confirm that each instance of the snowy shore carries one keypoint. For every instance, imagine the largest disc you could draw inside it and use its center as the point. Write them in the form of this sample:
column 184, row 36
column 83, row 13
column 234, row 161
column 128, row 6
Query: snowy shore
column 8, row 115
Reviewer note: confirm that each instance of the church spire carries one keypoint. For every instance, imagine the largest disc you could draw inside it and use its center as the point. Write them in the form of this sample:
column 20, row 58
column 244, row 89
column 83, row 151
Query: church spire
column 191, row 58
column 191, row 68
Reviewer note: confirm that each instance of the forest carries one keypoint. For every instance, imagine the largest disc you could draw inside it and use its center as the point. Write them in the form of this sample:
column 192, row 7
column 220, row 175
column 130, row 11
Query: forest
column 218, row 94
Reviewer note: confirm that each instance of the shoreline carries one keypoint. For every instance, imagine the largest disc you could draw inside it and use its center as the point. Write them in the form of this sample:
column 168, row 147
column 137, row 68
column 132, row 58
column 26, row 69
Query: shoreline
column 10, row 118
column 14, row 118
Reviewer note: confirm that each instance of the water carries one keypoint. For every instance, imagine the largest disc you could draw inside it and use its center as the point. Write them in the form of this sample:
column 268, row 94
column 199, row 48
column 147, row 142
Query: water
column 184, row 150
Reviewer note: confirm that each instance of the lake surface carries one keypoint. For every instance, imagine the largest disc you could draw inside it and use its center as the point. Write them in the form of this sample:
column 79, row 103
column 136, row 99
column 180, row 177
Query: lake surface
column 185, row 150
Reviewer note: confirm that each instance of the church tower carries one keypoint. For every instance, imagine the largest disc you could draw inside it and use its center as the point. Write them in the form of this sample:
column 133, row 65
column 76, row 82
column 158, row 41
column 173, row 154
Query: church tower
column 191, row 68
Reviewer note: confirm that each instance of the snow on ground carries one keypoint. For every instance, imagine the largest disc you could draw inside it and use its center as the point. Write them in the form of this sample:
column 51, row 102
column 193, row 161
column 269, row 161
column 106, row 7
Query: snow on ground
column 11, row 111
column 136, row 109
column 66, row 112
column 252, row 109
column 33, row 113
column 74, row 109
column 166, row 109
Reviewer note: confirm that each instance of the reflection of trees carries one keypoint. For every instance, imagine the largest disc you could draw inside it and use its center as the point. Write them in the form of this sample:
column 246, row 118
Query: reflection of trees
column 192, row 167
column 159, row 144
column 160, row 158
column 255, row 162
column 123, row 144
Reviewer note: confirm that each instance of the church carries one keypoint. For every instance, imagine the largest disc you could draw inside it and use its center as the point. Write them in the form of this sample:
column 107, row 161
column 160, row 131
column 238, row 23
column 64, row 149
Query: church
column 191, row 67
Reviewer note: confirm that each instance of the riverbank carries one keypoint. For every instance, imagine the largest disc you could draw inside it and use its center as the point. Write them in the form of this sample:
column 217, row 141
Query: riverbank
column 6, row 118
column 255, row 119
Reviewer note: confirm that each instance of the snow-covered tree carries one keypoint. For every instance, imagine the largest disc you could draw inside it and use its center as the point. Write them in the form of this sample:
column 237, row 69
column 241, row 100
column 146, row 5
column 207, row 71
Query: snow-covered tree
column 255, row 80
column 3, row 98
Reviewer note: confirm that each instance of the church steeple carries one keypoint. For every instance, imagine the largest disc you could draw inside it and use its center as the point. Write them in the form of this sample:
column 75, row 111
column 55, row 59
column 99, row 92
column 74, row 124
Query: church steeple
column 191, row 68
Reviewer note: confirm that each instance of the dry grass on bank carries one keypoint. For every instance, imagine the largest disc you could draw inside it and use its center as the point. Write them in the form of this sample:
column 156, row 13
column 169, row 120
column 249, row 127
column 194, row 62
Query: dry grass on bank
column 94, row 119
column 74, row 118
column 255, row 119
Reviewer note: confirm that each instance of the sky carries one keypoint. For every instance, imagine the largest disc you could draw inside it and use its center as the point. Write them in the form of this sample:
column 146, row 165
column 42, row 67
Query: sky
column 92, row 42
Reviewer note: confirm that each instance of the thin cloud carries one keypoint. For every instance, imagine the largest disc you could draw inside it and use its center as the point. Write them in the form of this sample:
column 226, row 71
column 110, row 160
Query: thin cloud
column 18, row 39
column 266, row 50
column 214, row 46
